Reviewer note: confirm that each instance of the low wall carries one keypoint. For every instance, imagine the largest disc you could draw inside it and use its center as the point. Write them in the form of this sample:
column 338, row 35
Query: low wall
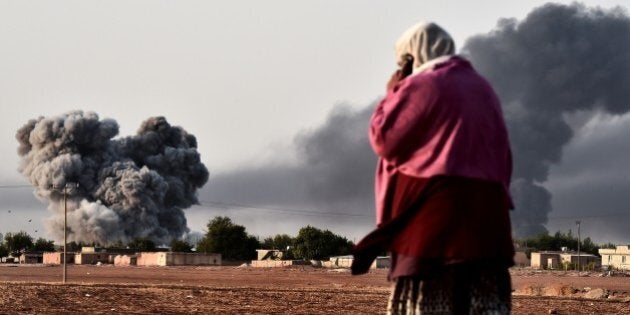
column 279, row 263
column 178, row 259
column 91, row 258
column 54, row 258
column 346, row 262
column 125, row 260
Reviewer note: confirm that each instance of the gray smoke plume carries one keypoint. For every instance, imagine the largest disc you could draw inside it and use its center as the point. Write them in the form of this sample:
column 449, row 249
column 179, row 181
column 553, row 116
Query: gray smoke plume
column 132, row 187
column 558, row 61
column 335, row 170
column 339, row 163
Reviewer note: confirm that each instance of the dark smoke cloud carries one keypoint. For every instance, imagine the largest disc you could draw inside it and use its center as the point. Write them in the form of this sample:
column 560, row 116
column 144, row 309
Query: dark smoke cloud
column 339, row 163
column 335, row 170
column 559, row 60
column 133, row 187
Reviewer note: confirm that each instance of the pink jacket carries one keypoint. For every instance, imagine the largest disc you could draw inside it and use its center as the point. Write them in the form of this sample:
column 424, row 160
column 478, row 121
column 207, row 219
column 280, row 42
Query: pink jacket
column 446, row 120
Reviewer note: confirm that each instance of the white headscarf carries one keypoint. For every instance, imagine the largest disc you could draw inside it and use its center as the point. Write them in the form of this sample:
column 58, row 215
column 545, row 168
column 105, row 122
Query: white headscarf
column 425, row 42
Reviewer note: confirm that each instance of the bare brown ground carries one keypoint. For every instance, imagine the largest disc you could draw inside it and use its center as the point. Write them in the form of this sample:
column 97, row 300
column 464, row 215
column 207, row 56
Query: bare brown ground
column 234, row 290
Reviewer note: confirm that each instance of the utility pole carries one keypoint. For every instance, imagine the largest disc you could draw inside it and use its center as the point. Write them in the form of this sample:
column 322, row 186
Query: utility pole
column 578, row 222
column 65, row 229
column 65, row 233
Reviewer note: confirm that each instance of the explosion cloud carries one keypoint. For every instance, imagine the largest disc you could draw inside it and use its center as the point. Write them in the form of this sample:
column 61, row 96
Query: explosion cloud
column 132, row 187
column 559, row 61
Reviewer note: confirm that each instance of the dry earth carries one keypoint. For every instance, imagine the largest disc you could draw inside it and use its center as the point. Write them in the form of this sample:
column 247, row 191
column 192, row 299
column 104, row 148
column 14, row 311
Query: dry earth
column 36, row 289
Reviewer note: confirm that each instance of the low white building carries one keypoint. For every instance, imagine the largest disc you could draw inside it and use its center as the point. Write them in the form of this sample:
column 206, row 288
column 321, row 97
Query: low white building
column 616, row 258
column 564, row 260
column 346, row 262
column 177, row 259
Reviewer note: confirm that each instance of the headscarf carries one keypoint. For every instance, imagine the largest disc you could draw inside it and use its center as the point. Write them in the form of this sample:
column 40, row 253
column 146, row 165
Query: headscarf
column 425, row 42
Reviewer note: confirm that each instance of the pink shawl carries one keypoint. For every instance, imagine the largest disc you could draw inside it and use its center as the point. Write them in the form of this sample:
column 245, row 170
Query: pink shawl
column 445, row 120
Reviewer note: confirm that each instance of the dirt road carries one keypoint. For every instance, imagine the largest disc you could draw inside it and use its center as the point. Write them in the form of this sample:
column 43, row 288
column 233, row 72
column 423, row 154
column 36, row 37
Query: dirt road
column 233, row 290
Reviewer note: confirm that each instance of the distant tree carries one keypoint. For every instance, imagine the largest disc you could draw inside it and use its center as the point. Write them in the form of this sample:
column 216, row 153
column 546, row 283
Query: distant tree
column 18, row 242
column 180, row 246
column 267, row 243
column 279, row 241
column 193, row 238
column 588, row 246
column 74, row 246
column 43, row 245
column 313, row 243
column 117, row 244
column 4, row 251
column 142, row 245
column 228, row 239
column 558, row 241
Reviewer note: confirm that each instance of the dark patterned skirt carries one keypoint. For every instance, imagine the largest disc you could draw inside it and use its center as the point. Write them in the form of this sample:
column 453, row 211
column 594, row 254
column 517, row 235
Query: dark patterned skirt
column 456, row 289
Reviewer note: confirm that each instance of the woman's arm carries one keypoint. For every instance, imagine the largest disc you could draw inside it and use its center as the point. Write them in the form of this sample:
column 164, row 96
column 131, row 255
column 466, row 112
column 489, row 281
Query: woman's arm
column 400, row 118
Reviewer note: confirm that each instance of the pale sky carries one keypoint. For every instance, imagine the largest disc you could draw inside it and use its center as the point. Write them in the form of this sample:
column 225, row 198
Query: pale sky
column 245, row 77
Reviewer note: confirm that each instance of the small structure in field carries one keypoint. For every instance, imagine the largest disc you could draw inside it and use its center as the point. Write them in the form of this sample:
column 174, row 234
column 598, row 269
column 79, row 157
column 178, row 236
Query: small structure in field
column 616, row 258
column 177, row 259
column 125, row 260
column 279, row 263
column 273, row 258
column 564, row 260
column 55, row 258
column 91, row 258
column 90, row 255
column 346, row 262
column 32, row 258
column 269, row 254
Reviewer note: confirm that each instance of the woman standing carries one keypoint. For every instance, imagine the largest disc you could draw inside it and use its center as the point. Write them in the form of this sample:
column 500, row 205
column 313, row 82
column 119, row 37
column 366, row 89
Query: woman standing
column 442, row 183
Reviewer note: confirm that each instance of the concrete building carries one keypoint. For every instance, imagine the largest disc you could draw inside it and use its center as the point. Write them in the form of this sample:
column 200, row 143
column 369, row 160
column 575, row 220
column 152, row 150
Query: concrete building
column 90, row 255
column 279, row 263
column 617, row 258
column 520, row 259
column 10, row 260
column 346, row 262
column 177, row 259
column 125, row 260
column 54, row 258
column 32, row 258
column 91, row 258
column 269, row 254
column 564, row 260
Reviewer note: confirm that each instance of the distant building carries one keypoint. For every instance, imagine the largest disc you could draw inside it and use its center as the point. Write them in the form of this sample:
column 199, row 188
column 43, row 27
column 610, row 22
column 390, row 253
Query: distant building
column 32, row 258
column 55, row 258
column 267, row 263
column 617, row 258
column 346, row 262
column 91, row 258
column 125, row 260
column 269, row 254
column 93, row 255
column 177, row 259
column 520, row 259
column 563, row 259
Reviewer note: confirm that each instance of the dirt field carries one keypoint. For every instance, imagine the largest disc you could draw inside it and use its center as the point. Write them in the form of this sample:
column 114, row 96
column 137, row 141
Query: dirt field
column 245, row 290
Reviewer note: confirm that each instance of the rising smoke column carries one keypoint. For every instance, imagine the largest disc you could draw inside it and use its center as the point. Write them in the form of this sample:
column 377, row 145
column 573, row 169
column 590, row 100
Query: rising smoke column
column 133, row 187
column 558, row 61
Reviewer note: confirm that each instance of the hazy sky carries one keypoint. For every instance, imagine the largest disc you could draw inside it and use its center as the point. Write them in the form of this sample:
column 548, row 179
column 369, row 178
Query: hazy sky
column 246, row 78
